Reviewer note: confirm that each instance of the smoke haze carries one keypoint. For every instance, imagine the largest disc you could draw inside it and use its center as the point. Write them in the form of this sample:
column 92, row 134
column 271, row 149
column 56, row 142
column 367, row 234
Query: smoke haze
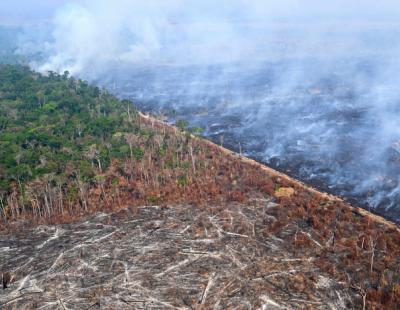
column 99, row 34
column 307, row 86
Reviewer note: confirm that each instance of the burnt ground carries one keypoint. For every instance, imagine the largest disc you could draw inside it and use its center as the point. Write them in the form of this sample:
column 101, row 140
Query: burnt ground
column 180, row 257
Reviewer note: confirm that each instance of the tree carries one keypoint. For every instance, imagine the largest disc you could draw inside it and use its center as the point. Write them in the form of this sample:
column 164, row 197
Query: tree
column 182, row 124
column 131, row 140
column 92, row 153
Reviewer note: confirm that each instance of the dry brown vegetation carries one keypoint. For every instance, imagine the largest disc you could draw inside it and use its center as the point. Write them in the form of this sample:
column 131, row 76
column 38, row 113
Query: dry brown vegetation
column 355, row 250
column 176, row 168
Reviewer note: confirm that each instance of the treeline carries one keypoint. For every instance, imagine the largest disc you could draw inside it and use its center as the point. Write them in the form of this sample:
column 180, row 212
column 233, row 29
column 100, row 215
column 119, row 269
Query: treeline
column 58, row 135
column 67, row 147
column 54, row 129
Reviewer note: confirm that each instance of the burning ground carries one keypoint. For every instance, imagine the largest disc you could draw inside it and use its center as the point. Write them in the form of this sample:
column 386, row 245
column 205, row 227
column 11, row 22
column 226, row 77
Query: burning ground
column 335, row 128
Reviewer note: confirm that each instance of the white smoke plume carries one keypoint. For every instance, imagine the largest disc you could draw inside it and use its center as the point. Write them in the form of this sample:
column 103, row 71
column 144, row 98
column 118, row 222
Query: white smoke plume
column 99, row 33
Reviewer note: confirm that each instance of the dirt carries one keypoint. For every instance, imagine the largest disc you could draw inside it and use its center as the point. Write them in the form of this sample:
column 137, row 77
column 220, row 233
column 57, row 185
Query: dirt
column 180, row 257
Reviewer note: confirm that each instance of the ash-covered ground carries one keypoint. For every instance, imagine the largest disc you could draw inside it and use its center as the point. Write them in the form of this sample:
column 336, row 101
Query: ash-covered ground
column 180, row 257
column 333, row 126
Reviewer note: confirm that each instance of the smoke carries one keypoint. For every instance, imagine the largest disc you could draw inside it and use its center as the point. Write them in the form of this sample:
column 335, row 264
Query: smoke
column 100, row 34
column 310, row 86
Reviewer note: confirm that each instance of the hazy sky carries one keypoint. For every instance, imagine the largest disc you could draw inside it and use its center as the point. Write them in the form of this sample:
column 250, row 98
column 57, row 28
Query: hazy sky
column 31, row 11
column 28, row 11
